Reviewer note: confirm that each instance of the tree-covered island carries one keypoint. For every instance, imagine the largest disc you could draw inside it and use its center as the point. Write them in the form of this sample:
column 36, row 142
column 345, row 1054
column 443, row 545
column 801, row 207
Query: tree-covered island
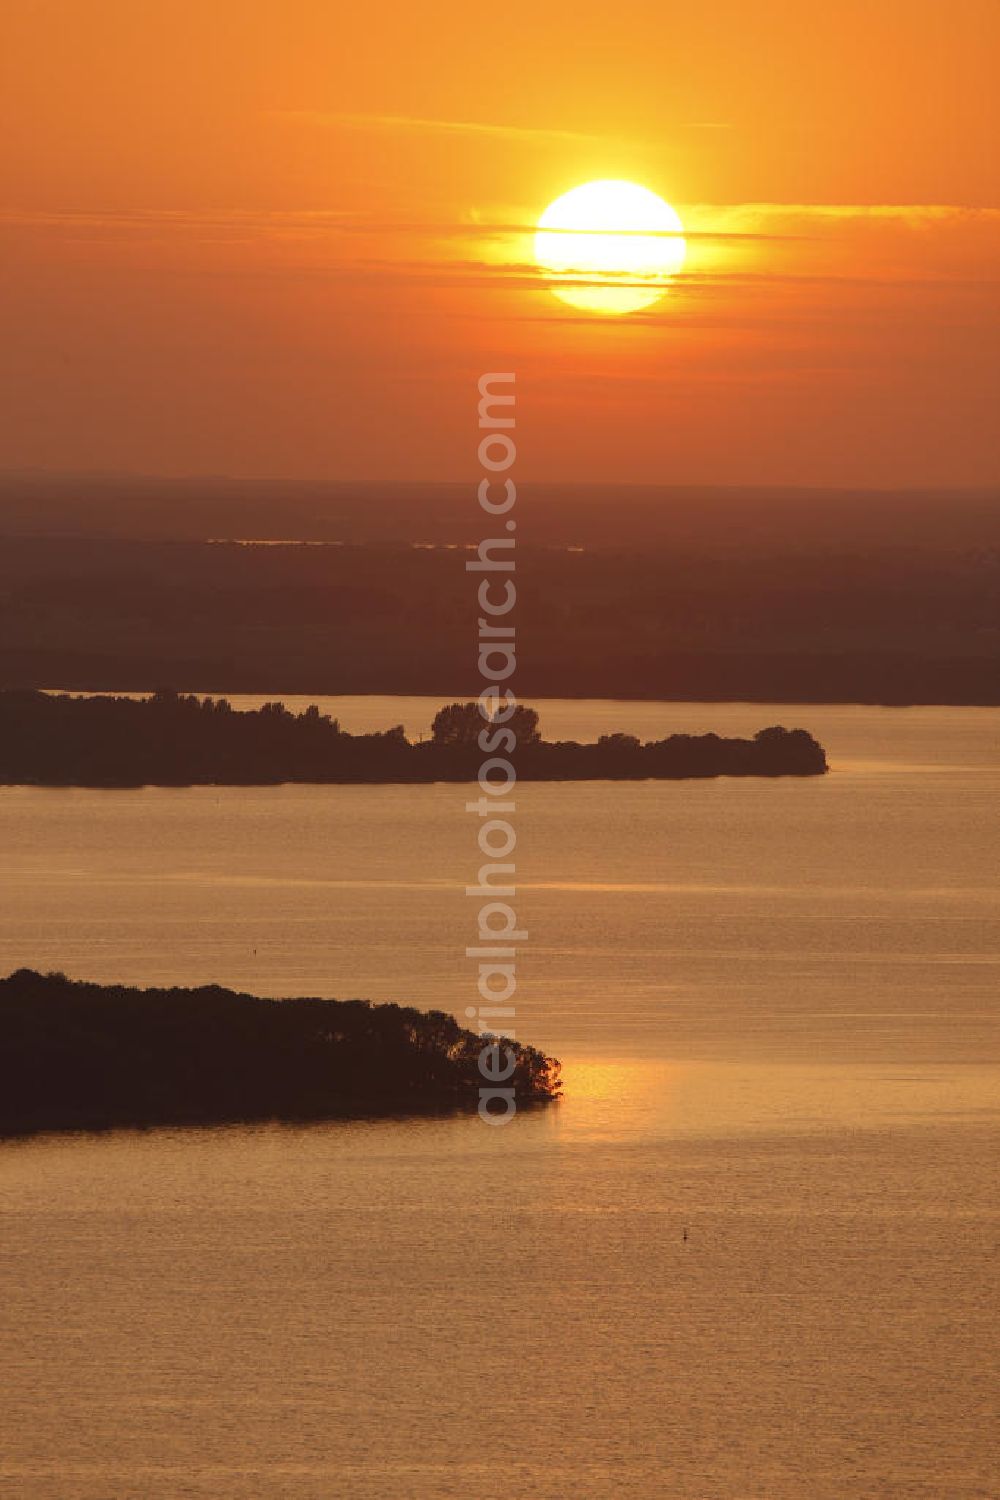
column 170, row 739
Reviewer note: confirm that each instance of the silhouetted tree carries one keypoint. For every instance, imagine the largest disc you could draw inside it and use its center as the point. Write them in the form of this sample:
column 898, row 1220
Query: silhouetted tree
column 462, row 724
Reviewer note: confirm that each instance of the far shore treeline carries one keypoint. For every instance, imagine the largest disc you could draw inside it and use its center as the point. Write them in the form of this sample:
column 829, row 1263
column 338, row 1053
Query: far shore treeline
column 76, row 1056
column 171, row 739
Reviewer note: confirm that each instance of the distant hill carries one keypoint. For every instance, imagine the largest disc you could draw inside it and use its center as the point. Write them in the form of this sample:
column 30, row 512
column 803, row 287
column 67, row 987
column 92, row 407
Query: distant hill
column 88, row 1056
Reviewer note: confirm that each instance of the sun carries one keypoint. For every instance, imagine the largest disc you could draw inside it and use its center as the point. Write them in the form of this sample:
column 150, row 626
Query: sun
column 610, row 246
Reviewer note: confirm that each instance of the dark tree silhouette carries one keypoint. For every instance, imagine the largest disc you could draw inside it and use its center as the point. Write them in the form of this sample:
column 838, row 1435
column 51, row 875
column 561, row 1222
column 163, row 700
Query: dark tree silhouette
column 462, row 724
column 618, row 741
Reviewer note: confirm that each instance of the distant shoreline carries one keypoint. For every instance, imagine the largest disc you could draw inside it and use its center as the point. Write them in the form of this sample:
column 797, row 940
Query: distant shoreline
column 659, row 594
column 750, row 700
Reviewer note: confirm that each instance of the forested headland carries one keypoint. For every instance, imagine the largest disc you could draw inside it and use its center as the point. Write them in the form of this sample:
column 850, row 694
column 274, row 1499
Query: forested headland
column 76, row 1056
column 171, row 739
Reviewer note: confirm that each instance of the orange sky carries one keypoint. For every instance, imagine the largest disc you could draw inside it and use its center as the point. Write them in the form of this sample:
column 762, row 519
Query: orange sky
column 267, row 237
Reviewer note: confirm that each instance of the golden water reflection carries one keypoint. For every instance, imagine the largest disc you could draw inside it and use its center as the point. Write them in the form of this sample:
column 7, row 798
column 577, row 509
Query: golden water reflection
column 614, row 1098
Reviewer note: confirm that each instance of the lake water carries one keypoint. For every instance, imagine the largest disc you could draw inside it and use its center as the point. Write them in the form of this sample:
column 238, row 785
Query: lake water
column 776, row 1003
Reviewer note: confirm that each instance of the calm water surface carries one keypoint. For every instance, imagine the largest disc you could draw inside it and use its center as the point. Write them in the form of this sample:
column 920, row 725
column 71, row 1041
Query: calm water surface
column 776, row 1003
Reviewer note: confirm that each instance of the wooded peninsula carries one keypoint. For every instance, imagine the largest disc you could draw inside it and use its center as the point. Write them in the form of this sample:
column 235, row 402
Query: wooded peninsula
column 81, row 1056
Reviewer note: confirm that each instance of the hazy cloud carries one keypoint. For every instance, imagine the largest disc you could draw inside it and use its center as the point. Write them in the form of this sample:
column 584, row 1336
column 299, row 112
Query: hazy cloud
column 528, row 133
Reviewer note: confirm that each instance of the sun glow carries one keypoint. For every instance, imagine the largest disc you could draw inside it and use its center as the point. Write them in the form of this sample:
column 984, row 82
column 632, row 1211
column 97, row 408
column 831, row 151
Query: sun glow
column 610, row 246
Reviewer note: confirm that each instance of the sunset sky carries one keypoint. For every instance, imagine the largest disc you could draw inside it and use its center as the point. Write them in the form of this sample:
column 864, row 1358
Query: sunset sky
column 283, row 237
